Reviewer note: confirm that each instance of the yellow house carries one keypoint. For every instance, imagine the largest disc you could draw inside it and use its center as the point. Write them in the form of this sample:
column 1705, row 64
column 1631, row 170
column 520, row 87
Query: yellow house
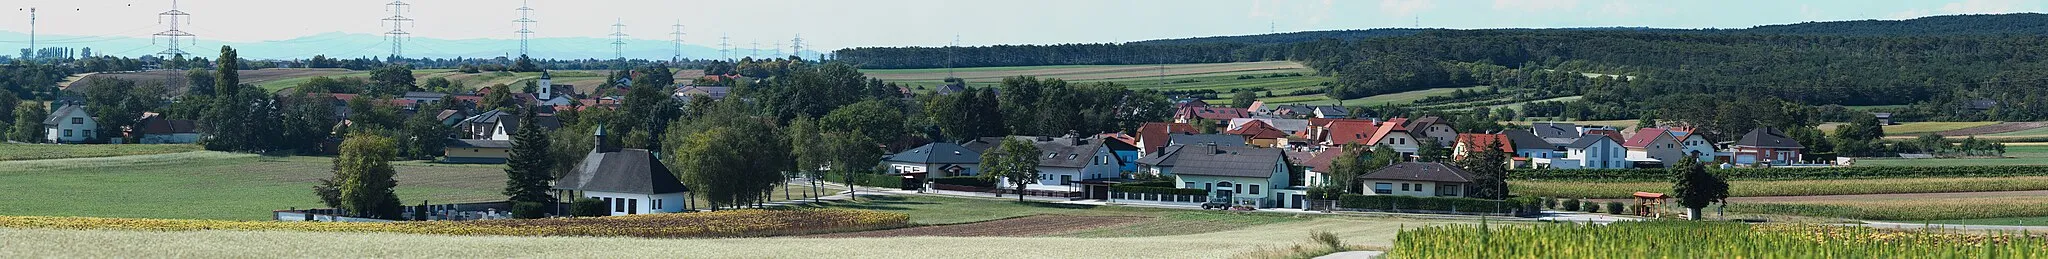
column 477, row 151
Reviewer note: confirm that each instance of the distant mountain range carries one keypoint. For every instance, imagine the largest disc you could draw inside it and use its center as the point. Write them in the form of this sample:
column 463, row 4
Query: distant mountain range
column 350, row 45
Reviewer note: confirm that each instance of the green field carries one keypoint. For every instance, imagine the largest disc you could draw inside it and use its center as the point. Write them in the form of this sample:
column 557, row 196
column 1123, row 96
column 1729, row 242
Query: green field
column 1222, row 78
column 2020, row 221
column 10, row 152
column 1955, row 161
column 209, row 185
column 2036, row 132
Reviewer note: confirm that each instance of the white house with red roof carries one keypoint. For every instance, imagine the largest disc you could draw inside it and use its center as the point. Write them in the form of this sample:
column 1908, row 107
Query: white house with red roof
column 1393, row 134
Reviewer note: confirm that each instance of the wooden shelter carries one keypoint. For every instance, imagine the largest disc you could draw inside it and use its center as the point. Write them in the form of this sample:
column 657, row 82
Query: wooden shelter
column 1646, row 202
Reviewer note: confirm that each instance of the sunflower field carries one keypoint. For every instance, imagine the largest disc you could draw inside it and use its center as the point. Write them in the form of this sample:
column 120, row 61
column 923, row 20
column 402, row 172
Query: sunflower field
column 1689, row 239
column 730, row 223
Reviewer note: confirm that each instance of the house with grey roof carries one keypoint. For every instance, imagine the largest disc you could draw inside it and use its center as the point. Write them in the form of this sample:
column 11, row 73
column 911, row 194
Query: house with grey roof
column 1248, row 176
column 1198, row 139
column 476, row 151
column 1589, row 152
column 70, row 124
column 938, row 159
column 1063, row 162
column 1768, row 146
column 508, row 125
column 629, row 181
column 1419, row 179
column 1557, row 134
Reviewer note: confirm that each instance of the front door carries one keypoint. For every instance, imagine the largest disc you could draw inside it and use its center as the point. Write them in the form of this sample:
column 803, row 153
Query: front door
column 1296, row 201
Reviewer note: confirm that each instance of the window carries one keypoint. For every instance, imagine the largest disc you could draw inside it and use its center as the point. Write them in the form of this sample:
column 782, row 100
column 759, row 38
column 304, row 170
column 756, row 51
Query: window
column 77, row 120
column 632, row 206
column 1066, row 180
column 67, row 133
column 1383, row 188
column 1255, row 189
column 1188, row 185
column 618, row 205
column 1239, row 188
column 1206, row 186
column 1404, row 187
column 1448, row 190
column 655, row 204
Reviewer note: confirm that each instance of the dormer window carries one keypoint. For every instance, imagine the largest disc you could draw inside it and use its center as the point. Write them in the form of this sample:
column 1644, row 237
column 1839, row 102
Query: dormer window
column 77, row 120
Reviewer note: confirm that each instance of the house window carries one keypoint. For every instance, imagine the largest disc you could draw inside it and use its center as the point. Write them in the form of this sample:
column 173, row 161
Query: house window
column 1383, row 188
column 655, row 204
column 1255, row 189
column 1191, row 185
column 1447, row 190
column 1066, row 180
column 618, row 205
column 67, row 133
column 1239, row 188
column 632, row 206
column 1404, row 187
column 77, row 120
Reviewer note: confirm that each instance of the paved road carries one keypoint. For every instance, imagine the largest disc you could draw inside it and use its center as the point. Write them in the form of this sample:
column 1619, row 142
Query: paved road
column 1891, row 196
column 1352, row 255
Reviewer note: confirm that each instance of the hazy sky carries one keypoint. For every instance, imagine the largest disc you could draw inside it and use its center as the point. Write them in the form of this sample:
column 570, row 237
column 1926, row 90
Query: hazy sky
column 846, row 23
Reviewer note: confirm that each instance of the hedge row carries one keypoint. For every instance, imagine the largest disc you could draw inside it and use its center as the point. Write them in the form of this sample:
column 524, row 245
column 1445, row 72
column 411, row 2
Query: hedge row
column 1525, row 205
column 1155, row 187
column 974, row 181
column 870, row 180
column 1800, row 173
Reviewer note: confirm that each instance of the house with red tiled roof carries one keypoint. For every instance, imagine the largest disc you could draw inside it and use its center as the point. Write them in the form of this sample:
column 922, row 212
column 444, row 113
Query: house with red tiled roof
column 1472, row 144
column 1259, row 134
column 1318, row 166
column 1220, row 115
column 1342, row 132
column 1394, row 135
column 1155, row 135
column 1654, row 144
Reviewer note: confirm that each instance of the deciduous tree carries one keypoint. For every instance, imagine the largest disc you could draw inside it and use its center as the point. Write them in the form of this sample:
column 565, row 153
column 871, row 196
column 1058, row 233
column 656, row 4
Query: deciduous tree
column 1014, row 161
column 1696, row 187
column 363, row 177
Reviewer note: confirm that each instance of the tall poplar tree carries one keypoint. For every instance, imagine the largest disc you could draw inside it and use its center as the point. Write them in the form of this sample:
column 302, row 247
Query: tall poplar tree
column 527, row 170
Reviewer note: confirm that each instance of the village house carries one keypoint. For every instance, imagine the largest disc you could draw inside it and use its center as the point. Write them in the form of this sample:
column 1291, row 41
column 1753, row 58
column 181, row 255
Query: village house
column 1654, row 144
column 1696, row 145
column 70, row 124
column 935, row 160
column 1418, row 179
column 1245, row 176
column 1433, row 127
column 1316, row 169
column 1199, row 139
column 1590, row 152
column 1259, row 134
column 1557, row 134
column 508, row 125
column 1063, row 161
column 1528, row 146
column 476, row 151
column 1766, row 146
column 629, row 181
column 1470, row 144
column 1292, row 127
column 156, row 129
column 1337, row 133
column 1392, row 134
column 1221, row 116
column 1332, row 112
column 714, row 92
column 1155, row 135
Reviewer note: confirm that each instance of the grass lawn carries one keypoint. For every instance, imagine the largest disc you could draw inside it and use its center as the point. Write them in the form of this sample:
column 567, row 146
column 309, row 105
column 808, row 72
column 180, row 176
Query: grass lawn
column 1605, row 190
column 209, row 185
column 9, row 152
column 1916, row 128
column 798, row 192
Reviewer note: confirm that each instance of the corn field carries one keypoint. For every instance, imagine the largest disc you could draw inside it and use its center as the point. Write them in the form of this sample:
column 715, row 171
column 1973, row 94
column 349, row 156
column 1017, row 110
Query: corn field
column 730, row 223
column 1688, row 239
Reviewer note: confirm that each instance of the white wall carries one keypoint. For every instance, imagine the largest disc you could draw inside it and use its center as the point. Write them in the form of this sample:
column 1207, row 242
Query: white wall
column 640, row 203
column 1415, row 188
column 81, row 132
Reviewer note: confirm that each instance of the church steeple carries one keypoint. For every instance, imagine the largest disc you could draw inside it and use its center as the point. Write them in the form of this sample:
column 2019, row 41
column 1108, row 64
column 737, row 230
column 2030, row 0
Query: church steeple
column 604, row 143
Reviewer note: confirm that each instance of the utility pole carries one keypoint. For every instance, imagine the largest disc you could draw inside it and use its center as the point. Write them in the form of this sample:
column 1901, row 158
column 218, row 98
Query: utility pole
column 678, row 43
column 525, row 25
column 398, row 33
column 32, row 31
column 952, row 55
column 619, row 39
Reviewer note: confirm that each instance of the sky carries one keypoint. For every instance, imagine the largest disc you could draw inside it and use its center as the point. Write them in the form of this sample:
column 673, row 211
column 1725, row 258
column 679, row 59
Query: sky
column 834, row 24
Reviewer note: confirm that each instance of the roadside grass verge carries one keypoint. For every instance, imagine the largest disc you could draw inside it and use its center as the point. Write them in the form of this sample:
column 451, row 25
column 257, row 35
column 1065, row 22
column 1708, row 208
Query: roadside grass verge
column 932, row 210
column 1616, row 190
column 11, row 152
column 1694, row 239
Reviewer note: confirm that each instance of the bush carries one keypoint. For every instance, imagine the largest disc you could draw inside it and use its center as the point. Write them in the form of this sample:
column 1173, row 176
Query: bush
column 975, row 181
column 588, row 207
column 1548, row 203
column 1614, row 207
column 1571, row 205
column 870, row 180
column 1404, row 203
column 1528, row 204
column 1590, row 207
column 529, row 210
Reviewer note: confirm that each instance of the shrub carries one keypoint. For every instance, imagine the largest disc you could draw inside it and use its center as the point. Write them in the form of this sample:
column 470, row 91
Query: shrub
column 529, row 210
column 1590, row 207
column 1614, row 207
column 1571, row 204
column 1406, row 203
column 1548, row 203
column 588, row 207
column 975, row 181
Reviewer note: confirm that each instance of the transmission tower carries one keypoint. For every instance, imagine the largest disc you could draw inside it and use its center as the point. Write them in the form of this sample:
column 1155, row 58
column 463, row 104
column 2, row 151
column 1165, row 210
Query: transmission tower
column 796, row 46
column 619, row 39
column 677, row 43
column 525, row 25
column 951, row 54
column 756, row 49
column 778, row 50
column 398, row 34
column 173, row 34
column 724, row 46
